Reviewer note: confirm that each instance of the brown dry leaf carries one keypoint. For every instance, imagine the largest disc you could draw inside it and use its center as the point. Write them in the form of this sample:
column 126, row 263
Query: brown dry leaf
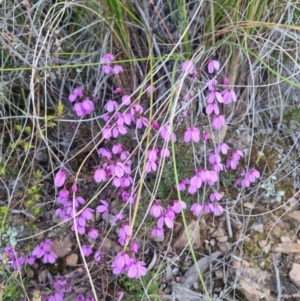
column 72, row 259
column 194, row 234
column 294, row 274
column 62, row 247
column 286, row 248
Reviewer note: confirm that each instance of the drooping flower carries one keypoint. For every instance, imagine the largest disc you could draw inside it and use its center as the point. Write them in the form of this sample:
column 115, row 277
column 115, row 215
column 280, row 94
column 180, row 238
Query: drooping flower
column 192, row 133
column 60, row 178
column 189, row 67
column 137, row 269
column 213, row 65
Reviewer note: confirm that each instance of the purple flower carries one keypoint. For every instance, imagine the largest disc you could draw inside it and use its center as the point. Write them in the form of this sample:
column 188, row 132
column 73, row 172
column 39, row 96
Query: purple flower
column 79, row 110
column 120, row 296
column 157, row 232
column 120, row 264
column 189, row 67
column 137, row 269
column 93, row 233
column 250, row 176
column 57, row 296
column 214, row 94
column 86, row 250
column 215, row 196
column 196, row 209
column 49, row 256
column 60, row 178
column 87, row 106
column 166, row 134
column 192, row 133
column 80, row 298
column 223, row 148
column 212, row 107
column 117, row 69
column 30, row 259
column 156, row 210
column 124, row 234
column 213, row 65
column 99, row 175
column 17, row 263
column 178, row 205
column 228, row 96
column 218, row 122
column 166, row 218
column 97, row 256
column 106, row 69
column 107, row 58
column 134, row 247
column 111, row 106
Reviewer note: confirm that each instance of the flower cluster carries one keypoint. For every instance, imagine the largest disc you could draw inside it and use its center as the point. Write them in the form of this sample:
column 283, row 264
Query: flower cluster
column 82, row 105
column 107, row 59
column 43, row 250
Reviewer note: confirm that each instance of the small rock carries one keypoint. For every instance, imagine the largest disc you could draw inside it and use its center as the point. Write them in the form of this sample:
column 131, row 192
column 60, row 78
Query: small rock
column 220, row 232
column 258, row 228
column 294, row 274
column 212, row 242
column 194, row 234
column 42, row 276
column 224, row 247
column 72, row 259
column 222, row 238
column 267, row 248
column 219, row 274
column 286, row 248
column 249, row 205
column 262, row 243
column 285, row 238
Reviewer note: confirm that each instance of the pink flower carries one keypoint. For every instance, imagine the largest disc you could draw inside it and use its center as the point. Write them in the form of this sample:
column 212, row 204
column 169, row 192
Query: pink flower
column 126, row 100
column 117, row 69
column 78, row 92
column 157, row 232
column 228, row 96
column 152, row 155
column 86, row 250
column 231, row 163
column 117, row 90
column 164, row 152
column 104, row 153
column 99, row 175
column 97, row 256
column 218, row 122
column 60, row 178
column 166, row 218
column 124, row 233
column 79, row 110
column 213, row 65
column 111, row 106
column 120, row 296
column 212, row 107
column 134, row 247
column 106, row 69
column 196, row 209
column 137, row 269
column 93, row 233
column 192, row 133
column 120, row 264
column 182, row 184
column 104, row 208
column 107, row 58
column 189, row 67
column 215, row 196
column 87, row 106
column 156, row 209
column 223, row 148
column 178, row 205
column 250, row 176
column 72, row 97
column 167, row 134
column 217, row 209
column 237, row 154
column 149, row 89
column 214, row 94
